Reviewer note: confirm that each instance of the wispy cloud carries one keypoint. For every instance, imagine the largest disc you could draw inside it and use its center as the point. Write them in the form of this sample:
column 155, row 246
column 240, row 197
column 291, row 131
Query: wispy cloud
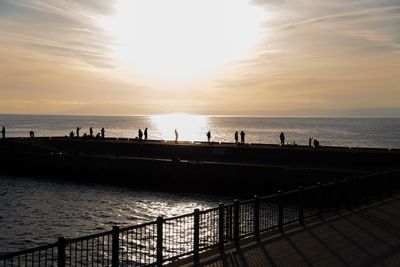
column 392, row 10
column 315, row 54
column 63, row 29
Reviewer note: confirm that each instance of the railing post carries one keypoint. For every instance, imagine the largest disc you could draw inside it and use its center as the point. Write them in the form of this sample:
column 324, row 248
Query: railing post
column 337, row 197
column 378, row 186
column 256, row 216
column 236, row 235
column 280, row 211
column 160, row 222
column 115, row 247
column 367, row 189
column 390, row 183
column 348, row 197
column 196, row 237
column 320, row 199
column 61, row 245
column 221, row 220
column 356, row 191
column 301, row 205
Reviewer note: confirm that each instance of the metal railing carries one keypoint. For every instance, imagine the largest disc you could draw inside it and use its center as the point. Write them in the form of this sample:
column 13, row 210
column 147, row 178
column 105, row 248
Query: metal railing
column 167, row 239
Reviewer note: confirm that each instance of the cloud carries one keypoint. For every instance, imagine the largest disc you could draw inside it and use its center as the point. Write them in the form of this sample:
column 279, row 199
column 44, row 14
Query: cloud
column 66, row 30
column 57, row 59
column 72, row 9
column 392, row 10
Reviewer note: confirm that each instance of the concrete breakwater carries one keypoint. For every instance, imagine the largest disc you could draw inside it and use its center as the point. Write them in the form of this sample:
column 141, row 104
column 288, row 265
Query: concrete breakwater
column 187, row 166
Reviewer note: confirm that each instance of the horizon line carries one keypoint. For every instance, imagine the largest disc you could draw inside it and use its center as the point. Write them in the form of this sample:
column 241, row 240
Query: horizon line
column 206, row 115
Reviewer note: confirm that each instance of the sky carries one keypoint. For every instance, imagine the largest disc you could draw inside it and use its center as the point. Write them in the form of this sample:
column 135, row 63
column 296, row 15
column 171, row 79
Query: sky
column 220, row 57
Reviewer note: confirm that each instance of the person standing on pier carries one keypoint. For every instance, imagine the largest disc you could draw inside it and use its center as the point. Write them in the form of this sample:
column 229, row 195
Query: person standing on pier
column 176, row 136
column 91, row 132
column 236, row 137
column 145, row 134
column 31, row 134
column 102, row 133
column 282, row 137
column 209, row 136
column 3, row 132
column 310, row 142
column 140, row 134
column 77, row 131
column 242, row 134
column 316, row 143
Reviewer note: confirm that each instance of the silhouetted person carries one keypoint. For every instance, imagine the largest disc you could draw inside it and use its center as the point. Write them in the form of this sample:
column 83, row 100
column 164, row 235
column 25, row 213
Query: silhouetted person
column 97, row 136
column 209, row 136
column 84, row 135
column 145, row 134
column 91, row 132
column 77, row 131
column 140, row 133
column 310, row 142
column 236, row 137
column 102, row 133
column 282, row 137
column 31, row 134
column 71, row 134
column 316, row 143
column 3, row 132
column 176, row 136
column 242, row 134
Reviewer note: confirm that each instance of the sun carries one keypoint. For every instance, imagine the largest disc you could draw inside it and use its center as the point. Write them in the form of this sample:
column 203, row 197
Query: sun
column 182, row 40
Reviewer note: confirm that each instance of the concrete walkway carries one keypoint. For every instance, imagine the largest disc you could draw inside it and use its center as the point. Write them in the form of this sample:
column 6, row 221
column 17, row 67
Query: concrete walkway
column 369, row 236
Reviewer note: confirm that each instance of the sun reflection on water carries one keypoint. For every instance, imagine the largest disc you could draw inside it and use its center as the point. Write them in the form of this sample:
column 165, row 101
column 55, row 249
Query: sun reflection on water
column 190, row 127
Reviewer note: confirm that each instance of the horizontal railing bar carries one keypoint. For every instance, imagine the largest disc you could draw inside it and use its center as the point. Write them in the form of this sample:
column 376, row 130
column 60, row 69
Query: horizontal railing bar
column 179, row 217
column 208, row 210
column 294, row 191
column 269, row 196
column 178, row 256
column 310, row 188
column 87, row 237
column 132, row 227
column 27, row 251
column 248, row 201
column 209, row 246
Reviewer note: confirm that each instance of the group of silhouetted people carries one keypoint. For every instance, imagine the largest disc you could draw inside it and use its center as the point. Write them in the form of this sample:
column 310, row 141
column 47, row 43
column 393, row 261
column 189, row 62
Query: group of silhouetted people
column 242, row 136
column 142, row 133
column 101, row 134
column 313, row 142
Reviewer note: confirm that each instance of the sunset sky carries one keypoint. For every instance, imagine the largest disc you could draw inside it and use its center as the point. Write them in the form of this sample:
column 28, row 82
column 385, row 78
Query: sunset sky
column 252, row 57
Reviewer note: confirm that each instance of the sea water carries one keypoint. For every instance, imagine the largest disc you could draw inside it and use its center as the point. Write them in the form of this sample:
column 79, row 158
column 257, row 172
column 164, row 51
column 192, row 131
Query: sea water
column 37, row 211
column 354, row 132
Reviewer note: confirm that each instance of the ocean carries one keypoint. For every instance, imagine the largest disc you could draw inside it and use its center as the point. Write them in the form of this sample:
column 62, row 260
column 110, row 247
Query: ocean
column 37, row 211
column 349, row 132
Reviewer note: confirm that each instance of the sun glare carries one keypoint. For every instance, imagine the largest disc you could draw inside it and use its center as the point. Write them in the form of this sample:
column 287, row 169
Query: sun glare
column 189, row 127
column 182, row 40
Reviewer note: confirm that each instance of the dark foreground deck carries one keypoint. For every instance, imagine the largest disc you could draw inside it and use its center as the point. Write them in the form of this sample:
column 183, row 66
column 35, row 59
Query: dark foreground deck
column 369, row 236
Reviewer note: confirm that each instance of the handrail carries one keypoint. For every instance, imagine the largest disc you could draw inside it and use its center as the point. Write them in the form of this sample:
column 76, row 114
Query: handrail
column 27, row 251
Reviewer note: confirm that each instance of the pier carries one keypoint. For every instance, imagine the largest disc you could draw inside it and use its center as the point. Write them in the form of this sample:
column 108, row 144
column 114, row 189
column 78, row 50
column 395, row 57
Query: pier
column 166, row 165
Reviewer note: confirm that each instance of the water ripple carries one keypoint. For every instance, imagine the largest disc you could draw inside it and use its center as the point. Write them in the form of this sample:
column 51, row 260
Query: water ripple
column 35, row 212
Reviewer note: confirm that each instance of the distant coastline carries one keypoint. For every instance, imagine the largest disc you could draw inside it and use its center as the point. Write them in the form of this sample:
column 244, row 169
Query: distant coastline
column 290, row 113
